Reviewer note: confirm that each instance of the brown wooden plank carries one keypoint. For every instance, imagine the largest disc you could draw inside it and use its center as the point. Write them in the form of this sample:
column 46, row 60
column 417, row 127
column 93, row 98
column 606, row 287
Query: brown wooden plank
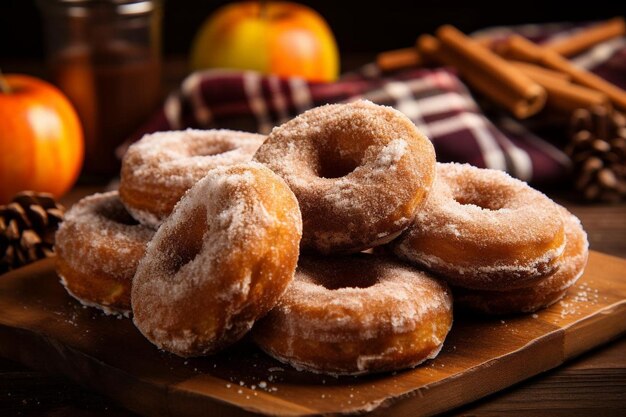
column 594, row 384
column 43, row 328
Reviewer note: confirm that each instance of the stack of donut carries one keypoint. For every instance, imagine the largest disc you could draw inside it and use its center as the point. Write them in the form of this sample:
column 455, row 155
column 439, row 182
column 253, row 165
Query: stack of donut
column 215, row 234
column 503, row 246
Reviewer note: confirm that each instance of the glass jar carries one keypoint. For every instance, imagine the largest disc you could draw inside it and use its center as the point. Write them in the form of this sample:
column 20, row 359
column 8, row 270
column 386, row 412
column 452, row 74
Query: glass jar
column 105, row 55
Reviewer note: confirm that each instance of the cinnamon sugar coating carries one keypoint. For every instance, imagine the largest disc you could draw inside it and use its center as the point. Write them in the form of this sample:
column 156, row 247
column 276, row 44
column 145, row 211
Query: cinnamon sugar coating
column 483, row 229
column 98, row 247
column 360, row 171
column 159, row 168
column 545, row 292
column 357, row 314
column 220, row 261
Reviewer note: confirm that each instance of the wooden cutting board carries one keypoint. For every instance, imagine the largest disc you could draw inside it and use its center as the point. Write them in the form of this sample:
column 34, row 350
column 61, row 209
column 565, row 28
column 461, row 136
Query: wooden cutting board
column 42, row 327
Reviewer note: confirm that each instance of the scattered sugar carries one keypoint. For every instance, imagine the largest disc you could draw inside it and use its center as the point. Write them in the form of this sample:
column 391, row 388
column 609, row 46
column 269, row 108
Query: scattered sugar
column 584, row 296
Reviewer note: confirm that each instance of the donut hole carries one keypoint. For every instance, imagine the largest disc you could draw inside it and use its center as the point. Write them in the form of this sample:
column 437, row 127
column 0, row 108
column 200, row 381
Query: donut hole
column 339, row 278
column 185, row 242
column 354, row 281
column 334, row 164
column 116, row 213
column 337, row 168
column 211, row 149
column 484, row 196
column 484, row 202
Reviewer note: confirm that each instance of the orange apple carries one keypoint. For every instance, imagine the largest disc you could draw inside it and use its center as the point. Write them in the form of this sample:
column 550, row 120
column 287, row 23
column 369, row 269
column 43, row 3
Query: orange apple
column 40, row 138
column 282, row 38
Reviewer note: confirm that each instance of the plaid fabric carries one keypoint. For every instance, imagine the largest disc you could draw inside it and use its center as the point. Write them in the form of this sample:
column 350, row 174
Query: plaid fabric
column 434, row 99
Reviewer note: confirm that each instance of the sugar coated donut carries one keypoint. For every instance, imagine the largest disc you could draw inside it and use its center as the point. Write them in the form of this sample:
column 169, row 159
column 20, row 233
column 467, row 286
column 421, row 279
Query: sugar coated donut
column 360, row 171
column 98, row 247
column 547, row 291
column 483, row 229
column 158, row 169
column 355, row 315
column 220, row 261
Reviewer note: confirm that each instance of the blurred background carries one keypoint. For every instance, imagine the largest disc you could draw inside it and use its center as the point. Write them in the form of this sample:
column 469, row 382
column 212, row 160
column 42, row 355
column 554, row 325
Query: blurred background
column 361, row 29
column 116, row 61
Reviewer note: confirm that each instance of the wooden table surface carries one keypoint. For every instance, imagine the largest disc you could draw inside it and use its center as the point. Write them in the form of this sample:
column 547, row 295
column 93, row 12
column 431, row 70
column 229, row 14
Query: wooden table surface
column 593, row 384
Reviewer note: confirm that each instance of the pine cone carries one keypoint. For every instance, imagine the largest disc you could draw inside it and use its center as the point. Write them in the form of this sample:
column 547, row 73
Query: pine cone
column 27, row 228
column 598, row 152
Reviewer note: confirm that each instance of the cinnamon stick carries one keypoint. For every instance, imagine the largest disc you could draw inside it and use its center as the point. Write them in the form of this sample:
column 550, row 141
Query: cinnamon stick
column 565, row 46
column 399, row 58
column 520, row 48
column 565, row 96
column 482, row 81
column 409, row 57
column 586, row 38
column 529, row 69
column 521, row 95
